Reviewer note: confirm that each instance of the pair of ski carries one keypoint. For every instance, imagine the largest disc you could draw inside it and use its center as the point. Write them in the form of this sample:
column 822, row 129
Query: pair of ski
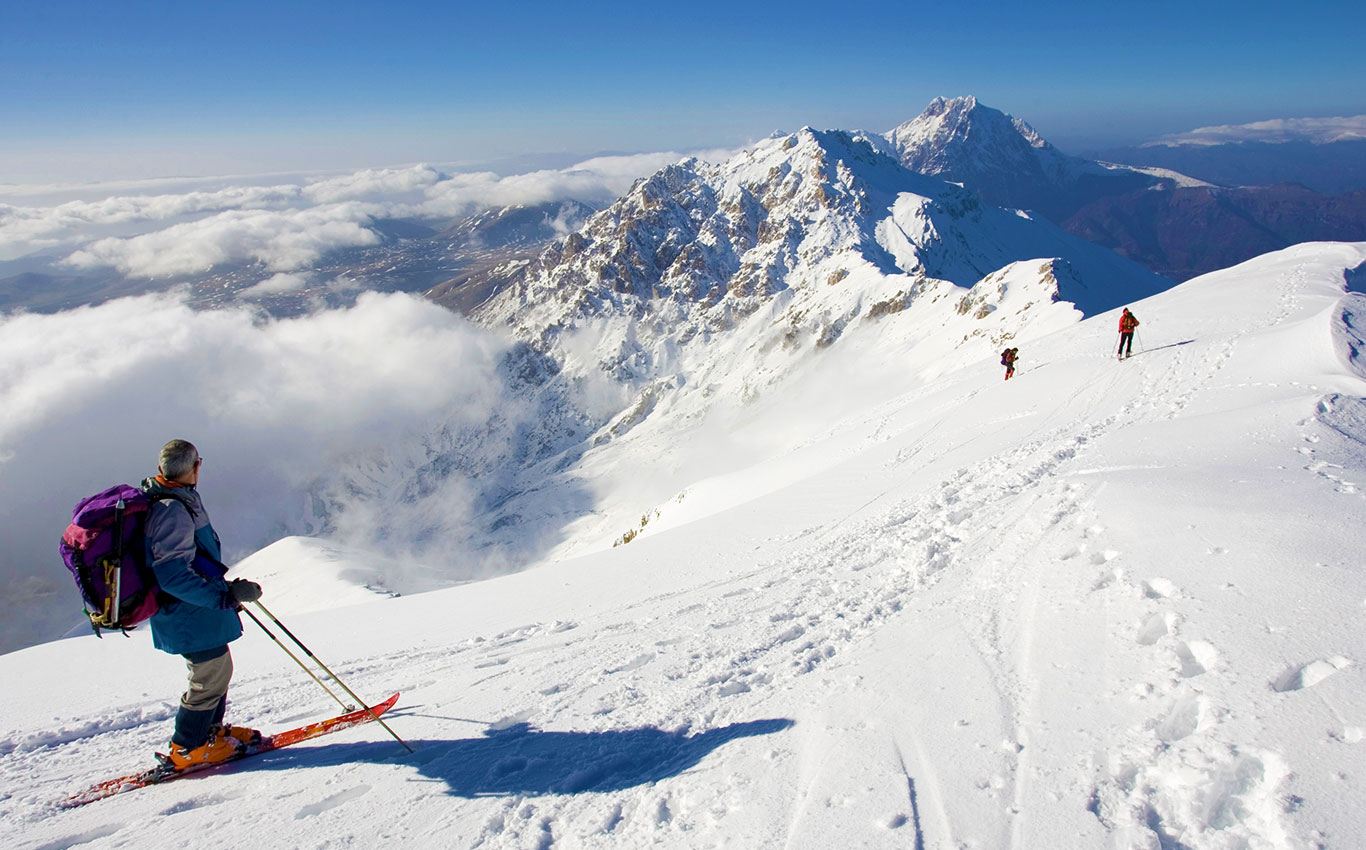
column 164, row 773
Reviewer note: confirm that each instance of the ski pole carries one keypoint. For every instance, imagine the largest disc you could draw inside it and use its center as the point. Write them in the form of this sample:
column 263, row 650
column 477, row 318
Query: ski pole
column 325, row 669
column 301, row 664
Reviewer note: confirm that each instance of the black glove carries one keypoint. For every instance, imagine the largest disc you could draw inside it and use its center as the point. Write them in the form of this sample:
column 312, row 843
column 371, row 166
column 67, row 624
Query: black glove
column 244, row 591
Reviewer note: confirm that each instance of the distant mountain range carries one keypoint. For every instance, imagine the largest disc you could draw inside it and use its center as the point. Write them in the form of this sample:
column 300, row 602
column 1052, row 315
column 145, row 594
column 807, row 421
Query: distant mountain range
column 1186, row 232
column 1171, row 221
column 1180, row 209
column 1332, row 167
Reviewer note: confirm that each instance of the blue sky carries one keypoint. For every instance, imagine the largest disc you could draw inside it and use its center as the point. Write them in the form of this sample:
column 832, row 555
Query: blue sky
column 92, row 90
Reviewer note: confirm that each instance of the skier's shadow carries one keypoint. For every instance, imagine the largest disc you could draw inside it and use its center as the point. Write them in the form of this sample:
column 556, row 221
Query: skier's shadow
column 525, row 760
column 1168, row 345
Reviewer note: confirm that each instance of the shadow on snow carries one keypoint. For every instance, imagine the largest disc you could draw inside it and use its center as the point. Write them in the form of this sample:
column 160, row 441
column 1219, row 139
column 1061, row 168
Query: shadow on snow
column 1160, row 347
column 524, row 760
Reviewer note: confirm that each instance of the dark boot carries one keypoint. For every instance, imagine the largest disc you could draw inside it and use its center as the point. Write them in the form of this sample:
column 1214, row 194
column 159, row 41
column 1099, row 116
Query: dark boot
column 194, row 728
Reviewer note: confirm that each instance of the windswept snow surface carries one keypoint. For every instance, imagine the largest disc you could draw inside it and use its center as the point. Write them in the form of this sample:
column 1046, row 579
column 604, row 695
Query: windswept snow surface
column 1101, row 605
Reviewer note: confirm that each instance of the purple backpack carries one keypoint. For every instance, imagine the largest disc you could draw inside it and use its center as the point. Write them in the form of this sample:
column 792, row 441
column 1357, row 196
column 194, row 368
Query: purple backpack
column 105, row 549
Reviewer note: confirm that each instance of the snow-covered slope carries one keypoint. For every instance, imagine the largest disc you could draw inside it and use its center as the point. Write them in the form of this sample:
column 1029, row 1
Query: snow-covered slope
column 703, row 288
column 1101, row 605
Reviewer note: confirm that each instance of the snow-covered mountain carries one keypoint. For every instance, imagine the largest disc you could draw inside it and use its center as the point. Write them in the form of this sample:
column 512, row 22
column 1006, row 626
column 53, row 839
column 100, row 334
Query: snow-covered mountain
column 1328, row 167
column 1175, row 225
column 901, row 603
column 1007, row 162
column 795, row 238
column 705, row 288
column 524, row 226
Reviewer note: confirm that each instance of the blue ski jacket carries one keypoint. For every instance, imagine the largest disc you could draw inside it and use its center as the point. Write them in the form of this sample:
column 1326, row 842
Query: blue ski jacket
column 197, row 611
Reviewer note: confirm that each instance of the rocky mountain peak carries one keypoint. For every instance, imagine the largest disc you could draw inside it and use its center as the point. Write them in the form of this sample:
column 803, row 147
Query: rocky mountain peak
column 1005, row 160
column 957, row 133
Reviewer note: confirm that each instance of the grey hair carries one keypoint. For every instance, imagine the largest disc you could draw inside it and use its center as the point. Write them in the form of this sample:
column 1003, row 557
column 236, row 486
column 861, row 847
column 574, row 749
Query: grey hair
column 177, row 459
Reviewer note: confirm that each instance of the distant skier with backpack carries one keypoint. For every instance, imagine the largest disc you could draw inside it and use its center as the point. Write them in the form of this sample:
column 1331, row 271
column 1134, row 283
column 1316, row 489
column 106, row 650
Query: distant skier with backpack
column 197, row 614
column 1128, row 322
column 1008, row 358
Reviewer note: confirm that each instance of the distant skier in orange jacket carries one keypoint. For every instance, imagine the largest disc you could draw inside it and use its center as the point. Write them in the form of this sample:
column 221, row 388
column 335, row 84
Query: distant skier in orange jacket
column 1127, row 322
column 1008, row 358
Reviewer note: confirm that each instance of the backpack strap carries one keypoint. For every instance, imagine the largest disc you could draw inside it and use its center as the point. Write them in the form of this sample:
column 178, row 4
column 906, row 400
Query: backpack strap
column 157, row 493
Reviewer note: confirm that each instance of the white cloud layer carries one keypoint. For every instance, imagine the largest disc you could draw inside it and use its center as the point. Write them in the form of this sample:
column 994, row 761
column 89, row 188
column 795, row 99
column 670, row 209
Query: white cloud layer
column 598, row 180
column 287, row 226
column 278, row 284
column 88, row 396
column 1315, row 130
column 280, row 240
column 27, row 229
column 382, row 185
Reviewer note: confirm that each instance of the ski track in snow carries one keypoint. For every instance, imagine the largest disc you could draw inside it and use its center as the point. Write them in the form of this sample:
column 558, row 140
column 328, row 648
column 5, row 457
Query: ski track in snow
column 1011, row 550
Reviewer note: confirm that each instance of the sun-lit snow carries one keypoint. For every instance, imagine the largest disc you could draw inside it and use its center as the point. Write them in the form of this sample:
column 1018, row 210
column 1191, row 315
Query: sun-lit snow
column 903, row 604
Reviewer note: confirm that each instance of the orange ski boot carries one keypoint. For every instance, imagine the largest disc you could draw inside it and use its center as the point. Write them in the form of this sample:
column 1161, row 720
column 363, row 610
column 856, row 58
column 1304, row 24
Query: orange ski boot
column 248, row 737
column 219, row 748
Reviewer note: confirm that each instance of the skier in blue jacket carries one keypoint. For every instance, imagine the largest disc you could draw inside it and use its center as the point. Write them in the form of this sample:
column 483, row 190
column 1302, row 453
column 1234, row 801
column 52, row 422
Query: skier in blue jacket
column 197, row 616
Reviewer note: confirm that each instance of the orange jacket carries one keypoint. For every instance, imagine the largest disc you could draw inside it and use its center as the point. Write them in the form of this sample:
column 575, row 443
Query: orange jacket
column 1127, row 322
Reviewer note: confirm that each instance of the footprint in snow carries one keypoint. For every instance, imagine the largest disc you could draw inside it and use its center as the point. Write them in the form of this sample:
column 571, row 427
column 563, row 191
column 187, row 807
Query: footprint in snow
column 634, row 664
column 332, row 802
column 197, row 803
column 1110, row 577
column 1196, row 657
column 1297, row 678
column 1104, row 556
column 1186, row 716
column 1159, row 588
column 1155, row 628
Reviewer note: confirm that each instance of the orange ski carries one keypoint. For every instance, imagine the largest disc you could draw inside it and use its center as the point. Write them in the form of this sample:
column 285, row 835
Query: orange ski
column 162, row 773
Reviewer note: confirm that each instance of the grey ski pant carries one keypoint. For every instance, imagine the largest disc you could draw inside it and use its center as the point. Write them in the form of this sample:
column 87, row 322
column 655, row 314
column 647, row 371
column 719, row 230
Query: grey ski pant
column 204, row 701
